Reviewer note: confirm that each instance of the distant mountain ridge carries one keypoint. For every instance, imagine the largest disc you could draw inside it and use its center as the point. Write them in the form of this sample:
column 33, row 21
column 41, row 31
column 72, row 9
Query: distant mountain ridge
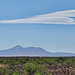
column 31, row 51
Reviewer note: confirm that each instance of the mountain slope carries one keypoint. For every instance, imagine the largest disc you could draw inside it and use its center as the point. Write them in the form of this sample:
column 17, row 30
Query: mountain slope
column 20, row 51
column 31, row 51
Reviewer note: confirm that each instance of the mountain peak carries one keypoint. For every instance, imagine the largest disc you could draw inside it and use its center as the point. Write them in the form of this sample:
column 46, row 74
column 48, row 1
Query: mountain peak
column 18, row 46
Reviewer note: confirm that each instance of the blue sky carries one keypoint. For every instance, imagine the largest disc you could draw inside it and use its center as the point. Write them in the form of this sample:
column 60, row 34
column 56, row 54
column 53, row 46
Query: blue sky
column 52, row 37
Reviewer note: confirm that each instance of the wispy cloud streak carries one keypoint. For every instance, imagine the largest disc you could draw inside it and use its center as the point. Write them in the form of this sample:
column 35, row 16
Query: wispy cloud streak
column 60, row 17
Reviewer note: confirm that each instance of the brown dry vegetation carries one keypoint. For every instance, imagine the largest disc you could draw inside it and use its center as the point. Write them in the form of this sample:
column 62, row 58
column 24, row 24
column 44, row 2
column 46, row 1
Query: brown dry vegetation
column 3, row 65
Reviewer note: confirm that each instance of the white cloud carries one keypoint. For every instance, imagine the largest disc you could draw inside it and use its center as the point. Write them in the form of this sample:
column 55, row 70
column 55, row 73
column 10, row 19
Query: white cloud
column 60, row 17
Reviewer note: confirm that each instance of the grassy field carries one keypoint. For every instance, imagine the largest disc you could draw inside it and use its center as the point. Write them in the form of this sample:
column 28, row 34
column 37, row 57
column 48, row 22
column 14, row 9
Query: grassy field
column 37, row 65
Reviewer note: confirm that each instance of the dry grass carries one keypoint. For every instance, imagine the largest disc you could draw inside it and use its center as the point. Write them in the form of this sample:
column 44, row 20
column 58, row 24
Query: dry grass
column 3, row 65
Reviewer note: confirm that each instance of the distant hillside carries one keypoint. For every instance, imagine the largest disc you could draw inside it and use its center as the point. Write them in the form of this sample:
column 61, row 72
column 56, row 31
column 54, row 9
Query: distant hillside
column 31, row 51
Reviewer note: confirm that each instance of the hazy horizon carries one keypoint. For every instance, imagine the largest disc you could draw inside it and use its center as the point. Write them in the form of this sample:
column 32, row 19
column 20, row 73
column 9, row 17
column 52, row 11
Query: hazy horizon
column 36, row 47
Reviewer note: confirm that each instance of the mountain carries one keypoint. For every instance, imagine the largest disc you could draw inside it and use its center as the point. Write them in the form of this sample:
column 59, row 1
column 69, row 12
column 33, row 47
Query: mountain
column 31, row 51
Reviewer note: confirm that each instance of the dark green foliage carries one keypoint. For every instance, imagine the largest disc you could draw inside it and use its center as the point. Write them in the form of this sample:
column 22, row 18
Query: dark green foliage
column 35, row 65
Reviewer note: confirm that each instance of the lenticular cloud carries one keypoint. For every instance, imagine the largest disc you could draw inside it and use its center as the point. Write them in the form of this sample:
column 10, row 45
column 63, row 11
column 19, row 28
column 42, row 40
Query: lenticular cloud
column 60, row 17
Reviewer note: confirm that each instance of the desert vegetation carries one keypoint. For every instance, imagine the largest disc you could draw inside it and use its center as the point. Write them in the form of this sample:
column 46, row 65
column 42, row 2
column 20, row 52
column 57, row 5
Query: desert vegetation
column 37, row 65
